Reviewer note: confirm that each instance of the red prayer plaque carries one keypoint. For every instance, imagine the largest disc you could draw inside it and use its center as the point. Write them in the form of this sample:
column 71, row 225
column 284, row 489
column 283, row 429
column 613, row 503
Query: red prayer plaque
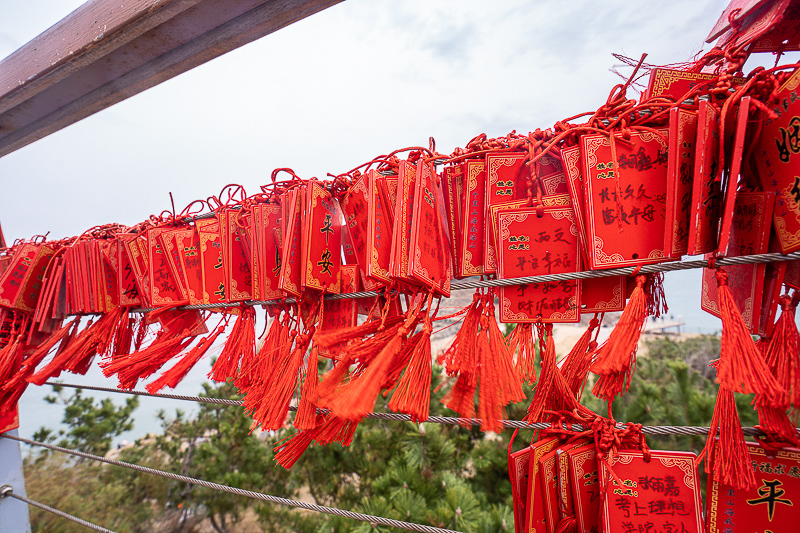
column 126, row 281
column 470, row 262
column 506, row 181
column 292, row 202
column 773, row 506
column 238, row 275
column 453, row 184
column 680, row 170
column 585, row 483
column 520, row 470
column 603, row 295
column 429, row 262
column 730, row 188
column 355, row 206
column 548, row 479
column 564, row 502
column 322, row 240
column 164, row 287
column 136, row 248
column 212, row 261
column 533, row 246
column 342, row 313
column 662, row 495
column 379, row 233
column 777, row 161
column 187, row 246
column 749, row 235
column 742, row 8
column 403, row 223
column 534, row 517
column 625, row 199
column 784, row 37
column 268, row 250
column 173, row 257
column 755, row 25
column 706, row 195
column 571, row 160
column 671, row 83
column 388, row 188
column 21, row 283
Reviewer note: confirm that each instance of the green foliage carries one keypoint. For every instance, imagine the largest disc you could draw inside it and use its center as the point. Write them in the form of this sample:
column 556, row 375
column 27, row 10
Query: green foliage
column 90, row 427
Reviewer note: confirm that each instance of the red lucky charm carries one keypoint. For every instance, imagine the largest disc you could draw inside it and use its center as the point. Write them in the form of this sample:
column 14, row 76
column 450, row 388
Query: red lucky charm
column 769, row 505
column 625, row 192
column 706, row 196
column 321, row 240
column 539, row 241
column 659, row 490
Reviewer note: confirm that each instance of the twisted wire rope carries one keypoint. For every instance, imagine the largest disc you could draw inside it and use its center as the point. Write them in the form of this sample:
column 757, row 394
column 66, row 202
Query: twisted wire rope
column 374, row 520
column 459, row 285
column 56, row 512
column 398, row 417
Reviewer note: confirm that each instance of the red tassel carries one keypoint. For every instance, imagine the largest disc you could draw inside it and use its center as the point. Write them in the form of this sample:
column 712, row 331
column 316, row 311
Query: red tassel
column 741, row 367
column 783, row 352
column 307, row 408
column 618, row 353
column 11, row 357
column 552, row 391
column 461, row 360
column 727, row 457
column 175, row 375
column 239, row 345
column 144, row 363
column 509, row 380
column 616, row 358
column 575, row 367
column 328, row 430
column 520, row 344
column 413, row 393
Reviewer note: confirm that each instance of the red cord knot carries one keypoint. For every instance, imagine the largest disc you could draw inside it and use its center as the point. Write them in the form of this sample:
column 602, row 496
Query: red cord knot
column 722, row 277
column 786, row 302
column 593, row 323
column 641, row 279
column 712, row 263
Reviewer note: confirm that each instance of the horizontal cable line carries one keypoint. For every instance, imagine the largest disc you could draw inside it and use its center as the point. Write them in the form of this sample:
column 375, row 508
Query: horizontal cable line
column 6, row 491
column 399, row 417
column 459, row 285
column 376, row 520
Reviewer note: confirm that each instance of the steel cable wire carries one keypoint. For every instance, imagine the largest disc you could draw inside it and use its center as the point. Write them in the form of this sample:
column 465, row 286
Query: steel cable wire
column 375, row 520
column 6, row 491
column 398, row 417
column 587, row 274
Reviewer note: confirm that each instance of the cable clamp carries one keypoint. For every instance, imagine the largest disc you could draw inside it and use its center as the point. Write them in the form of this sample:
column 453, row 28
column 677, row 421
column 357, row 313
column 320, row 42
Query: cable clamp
column 5, row 490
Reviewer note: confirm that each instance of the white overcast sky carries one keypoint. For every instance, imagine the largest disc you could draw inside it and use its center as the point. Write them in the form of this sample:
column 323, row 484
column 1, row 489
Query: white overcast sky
column 323, row 95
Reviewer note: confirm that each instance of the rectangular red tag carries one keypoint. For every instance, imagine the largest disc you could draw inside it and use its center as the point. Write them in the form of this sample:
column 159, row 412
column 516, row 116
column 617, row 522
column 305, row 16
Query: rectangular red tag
column 379, row 232
column 126, row 280
column 136, row 249
column 749, row 235
column 452, row 185
column 625, row 199
column 429, row 260
column 355, row 206
column 706, row 195
column 671, row 83
column 322, row 240
column 585, row 481
column 603, row 295
column 268, row 251
column 291, row 230
column 212, row 261
column 506, row 181
column 772, row 506
column 401, row 236
column 776, row 157
column 571, row 160
column 534, row 519
column 187, row 247
column 470, row 262
column 520, row 470
column 533, row 246
column 164, row 288
column 660, row 495
column 730, row 187
column 173, row 258
column 682, row 138
column 238, row 275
